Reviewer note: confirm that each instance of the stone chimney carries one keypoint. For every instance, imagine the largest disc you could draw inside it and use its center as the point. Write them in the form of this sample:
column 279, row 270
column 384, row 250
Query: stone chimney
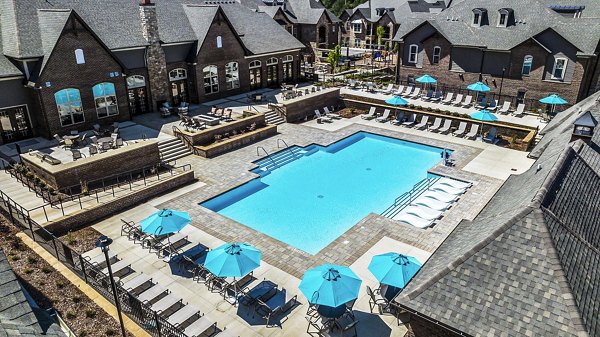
column 155, row 56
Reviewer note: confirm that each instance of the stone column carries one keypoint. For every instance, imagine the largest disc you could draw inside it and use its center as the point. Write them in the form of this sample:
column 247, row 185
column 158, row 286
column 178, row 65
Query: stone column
column 156, row 61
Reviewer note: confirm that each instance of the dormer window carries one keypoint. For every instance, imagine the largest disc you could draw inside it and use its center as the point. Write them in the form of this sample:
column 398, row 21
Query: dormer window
column 478, row 17
column 504, row 16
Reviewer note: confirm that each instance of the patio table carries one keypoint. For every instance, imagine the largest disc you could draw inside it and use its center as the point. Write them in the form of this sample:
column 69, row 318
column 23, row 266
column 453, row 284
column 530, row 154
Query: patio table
column 331, row 312
column 211, row 121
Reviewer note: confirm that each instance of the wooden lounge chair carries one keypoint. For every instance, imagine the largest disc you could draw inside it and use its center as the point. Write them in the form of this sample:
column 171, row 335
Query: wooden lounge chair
column 467, row 102
column 384, row 117
column 473, row 133
column 462, row 128
column 446, row 127
column 423, row 123
column 399, row 118
column 448, row 98
column 505, row 107
column 520, row 110
column 436, row 124
column 370, row 114
column 457, row 100
column 415, row 94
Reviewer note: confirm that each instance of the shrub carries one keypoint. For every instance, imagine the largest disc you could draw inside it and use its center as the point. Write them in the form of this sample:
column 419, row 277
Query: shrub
column 83, row 333
column 90, row 313
column 15, row 258
column 76, row 299
column 429, row 109
column 28, row 271
column 70, row 239
column 32, row 260
column 46, row 270
column 110, row 332
column 70, row 315
column 437, row 110
column 60, row 285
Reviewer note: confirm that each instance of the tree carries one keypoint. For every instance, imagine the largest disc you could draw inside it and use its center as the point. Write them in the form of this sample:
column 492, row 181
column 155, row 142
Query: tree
column 333, row 58
column 380, row 33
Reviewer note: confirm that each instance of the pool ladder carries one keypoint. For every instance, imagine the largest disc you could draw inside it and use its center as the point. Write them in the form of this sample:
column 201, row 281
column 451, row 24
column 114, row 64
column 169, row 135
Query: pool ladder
column 280, row 140
column 258, row 148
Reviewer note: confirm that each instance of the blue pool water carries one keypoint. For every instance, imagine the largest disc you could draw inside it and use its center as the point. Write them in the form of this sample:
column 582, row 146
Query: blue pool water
column 310, row 201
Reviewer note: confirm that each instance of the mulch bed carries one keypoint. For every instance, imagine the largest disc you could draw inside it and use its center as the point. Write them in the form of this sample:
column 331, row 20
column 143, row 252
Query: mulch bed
column 349, row 113
column 50, row 289
column 81, row 240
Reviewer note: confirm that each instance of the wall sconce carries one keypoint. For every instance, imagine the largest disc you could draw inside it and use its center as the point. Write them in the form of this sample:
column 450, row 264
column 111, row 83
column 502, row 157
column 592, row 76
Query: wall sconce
column 494, row 82
column 462, row 77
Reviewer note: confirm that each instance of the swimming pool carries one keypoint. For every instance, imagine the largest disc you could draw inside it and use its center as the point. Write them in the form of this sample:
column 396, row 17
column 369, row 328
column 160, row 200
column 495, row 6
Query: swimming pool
column 307, row 197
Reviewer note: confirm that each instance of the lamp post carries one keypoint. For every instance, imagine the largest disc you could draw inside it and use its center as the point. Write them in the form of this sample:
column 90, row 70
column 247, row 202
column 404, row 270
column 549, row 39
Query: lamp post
column 501, row 82
column 103, row 243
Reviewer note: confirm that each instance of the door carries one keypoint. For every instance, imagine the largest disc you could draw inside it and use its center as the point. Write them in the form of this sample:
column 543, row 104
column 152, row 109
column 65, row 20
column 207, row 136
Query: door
column 521, row 96
column 272, row 79
column 138, row 102
column 255, row 80
column 15, row 124
column 179, row 92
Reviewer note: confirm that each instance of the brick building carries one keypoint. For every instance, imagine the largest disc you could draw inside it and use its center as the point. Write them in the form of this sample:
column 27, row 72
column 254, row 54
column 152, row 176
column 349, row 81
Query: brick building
column 521, row 50
column 67, row 65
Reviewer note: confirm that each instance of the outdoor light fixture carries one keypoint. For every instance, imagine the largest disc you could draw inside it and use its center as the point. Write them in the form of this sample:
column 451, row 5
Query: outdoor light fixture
column 103, row 243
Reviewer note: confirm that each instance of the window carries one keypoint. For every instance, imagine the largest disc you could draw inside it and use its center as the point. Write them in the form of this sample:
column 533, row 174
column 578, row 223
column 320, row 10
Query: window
column 357, row 42
column 255, row 75
column 79, row 58
column 502, row 20
column 272, row 60
column 177, row 74
column 437, row 51
column 105, row 99
column 412, row 53
column 558, row 73
column 70, row 110
column 232, row 75
column 211, row 79
column 254, row 64
column 135, row 81
column 357, row 27
column 527, row 62
column 476, row 19
column 219, row 42
column 288, row 68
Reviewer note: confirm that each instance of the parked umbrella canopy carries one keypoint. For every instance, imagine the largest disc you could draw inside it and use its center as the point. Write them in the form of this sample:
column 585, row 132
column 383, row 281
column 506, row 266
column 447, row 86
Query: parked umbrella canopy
column 553, row 100
column 396, row 100
column 426, row 79
column 394, row 269
column 232, row 260
column 479, row 87
column 484, row 115
column 330, row 285
column 165, row 221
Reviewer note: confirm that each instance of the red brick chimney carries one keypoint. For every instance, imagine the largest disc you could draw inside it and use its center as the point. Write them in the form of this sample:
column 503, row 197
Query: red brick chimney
column 146, row 2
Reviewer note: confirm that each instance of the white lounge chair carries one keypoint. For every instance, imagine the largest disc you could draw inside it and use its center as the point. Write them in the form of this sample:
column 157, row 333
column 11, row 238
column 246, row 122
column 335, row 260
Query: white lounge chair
column 504, row 108
column 436, row 124
column 423, row 123
column 389, row 89
column 473, row 133
column 413, row 220
column 323, row 118
column 446, row 127
column 440, row 196
column 448, row 98
column 407, row 91
column 370, row 114
column 410, row 121
column 462, row 128
column 520, row 110
column 467, row 102
column 399, row 91
column 384, row 118
column 203, row 326
column 454, row 183
column 431, row 203
column 330, row 114
column 447, row 189
column 422, row 212
column 458, row 99
column 415, row 93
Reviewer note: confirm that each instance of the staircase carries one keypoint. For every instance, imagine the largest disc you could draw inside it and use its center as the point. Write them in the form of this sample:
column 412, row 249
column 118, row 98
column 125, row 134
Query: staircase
column 172, row 149
column 272, row 117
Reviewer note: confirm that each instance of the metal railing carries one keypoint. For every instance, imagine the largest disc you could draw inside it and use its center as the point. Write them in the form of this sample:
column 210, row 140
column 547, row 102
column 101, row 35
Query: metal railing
column 406, row 198
column 186, row 141
column 267, row 153
column 280, row 140
column 278, row 109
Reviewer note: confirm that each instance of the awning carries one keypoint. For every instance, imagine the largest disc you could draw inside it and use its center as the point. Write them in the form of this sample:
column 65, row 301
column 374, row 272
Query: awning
column 356, row 21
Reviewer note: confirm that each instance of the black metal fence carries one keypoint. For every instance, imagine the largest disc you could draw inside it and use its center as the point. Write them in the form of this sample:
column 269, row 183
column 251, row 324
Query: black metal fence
column 139, row 312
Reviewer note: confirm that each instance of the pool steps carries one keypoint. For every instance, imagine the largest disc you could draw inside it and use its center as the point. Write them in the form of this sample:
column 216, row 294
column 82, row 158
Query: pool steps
column 279, row 159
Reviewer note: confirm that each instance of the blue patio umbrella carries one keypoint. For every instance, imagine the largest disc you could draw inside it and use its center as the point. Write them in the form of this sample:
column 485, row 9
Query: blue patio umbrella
column 232, row 260
column 426, row 79
column 479, row 87
column 394, row 269
column 165, row 221
column 553, row 100
column 396, row 100
column 484, row 116
column 330, row 285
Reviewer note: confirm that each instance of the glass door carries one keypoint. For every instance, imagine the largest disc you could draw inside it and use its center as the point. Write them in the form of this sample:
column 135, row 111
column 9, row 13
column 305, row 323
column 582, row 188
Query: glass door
column 272, row 75
column 179, row 92
column 14, row 124
column 255, row 80
column 138, row 102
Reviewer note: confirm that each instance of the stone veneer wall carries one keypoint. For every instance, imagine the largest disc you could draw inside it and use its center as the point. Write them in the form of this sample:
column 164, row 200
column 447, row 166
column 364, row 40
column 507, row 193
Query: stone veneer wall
column 83, row 217
column 207, row 136
column 111, row 163
column 155, row 56
column 298, row 110
column 231, row 144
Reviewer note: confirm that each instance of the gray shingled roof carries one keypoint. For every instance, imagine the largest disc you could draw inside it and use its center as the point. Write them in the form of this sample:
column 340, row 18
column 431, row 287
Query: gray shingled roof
column 529, row 263
column 304, row 11
column 403, row 9
column 531, row 18
column 17, row 318
column 51, row 23
column 7, row 69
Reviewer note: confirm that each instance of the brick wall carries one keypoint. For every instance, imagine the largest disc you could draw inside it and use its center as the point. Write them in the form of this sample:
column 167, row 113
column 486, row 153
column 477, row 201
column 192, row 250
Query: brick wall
column 207, row 136
column 62, row 71
column 299, row 110
column 419, row 327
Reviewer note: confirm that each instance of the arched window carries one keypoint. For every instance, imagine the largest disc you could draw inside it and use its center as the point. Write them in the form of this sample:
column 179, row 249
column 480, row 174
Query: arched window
column 288, row 58
column 177, row 74
column 272, row 60
column 211, row 79
column 254, row 64
column 437, row 51
column 70, row 110
column 232, row 75
column 79, row 58
column 105, row 99
column 527, row 63
column 288, row 68
column 413, row 51
column 219, row 42
column 136, row 81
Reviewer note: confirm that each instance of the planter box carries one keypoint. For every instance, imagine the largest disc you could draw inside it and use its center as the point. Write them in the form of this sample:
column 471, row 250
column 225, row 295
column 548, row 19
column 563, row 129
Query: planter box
column 215, row 149
column 206, row 137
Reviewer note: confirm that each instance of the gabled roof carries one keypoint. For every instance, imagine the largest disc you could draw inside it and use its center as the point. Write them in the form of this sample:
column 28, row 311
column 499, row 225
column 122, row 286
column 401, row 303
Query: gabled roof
column 529, row 263
column 586, row 119
column 303, row 11
column 51, row 23
column 17, row 317
column 402, row 9
column 7, row 69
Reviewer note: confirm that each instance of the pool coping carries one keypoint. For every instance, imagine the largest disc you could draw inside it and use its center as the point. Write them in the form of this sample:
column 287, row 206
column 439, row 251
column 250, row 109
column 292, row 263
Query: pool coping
column 350, row 245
